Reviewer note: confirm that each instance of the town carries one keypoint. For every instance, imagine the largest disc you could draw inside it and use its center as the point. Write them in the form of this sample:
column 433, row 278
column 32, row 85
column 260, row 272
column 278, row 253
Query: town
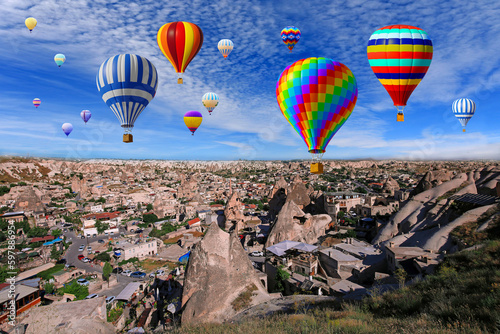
column 117, row 245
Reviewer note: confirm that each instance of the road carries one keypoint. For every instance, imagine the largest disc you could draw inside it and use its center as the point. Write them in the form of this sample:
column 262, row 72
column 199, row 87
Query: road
column 362, row 186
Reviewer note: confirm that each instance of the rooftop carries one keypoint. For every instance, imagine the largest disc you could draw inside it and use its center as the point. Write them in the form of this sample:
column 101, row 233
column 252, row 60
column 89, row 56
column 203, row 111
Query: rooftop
column 338, row 255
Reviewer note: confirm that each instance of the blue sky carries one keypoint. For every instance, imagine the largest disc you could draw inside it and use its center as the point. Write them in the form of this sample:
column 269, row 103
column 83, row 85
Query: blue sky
column 247, row 124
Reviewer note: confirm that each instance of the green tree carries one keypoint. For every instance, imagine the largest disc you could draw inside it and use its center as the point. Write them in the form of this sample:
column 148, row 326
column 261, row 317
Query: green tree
column 76, row 289
column 103, row 257
column 149, row 207
column 340, row 215
column 106, row 271
column 4, row 190
column 150, row 218
column 281, row 276
column 35, row 232
column 49, row 288
column 401, row 275
column 350, row 234
column 101, row 227
column 361, row 190
column 54, row 253
column 57, row 232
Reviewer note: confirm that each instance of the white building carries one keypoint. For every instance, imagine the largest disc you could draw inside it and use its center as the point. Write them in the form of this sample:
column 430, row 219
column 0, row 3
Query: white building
column 96, row 208
column 140, row 250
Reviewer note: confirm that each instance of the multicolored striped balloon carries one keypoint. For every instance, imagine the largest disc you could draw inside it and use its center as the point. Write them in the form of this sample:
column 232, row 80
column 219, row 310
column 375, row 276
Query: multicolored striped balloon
column 193, row 120
column 210, row 101
column 316, row 96
column 59, row 59
column 225, row 47
column 85, row 115
column 290, row 36
column 180, row 42
column 67, row 128
column 37, row 102
column 127, row 83
column 463, row 109
column 400, row 55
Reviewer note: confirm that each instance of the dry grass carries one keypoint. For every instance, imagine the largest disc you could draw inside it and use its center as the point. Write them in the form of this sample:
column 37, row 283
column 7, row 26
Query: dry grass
column 244, row 299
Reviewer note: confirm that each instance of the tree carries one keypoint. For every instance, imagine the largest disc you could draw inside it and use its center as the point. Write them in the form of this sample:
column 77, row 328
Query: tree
column 281, row 276
column 401, row 275
column 340, row 215
column 103, row 257
column 361, row 190
column 139, row 206
column 132, row 313
column 54, row 253
column 35, row 232
column 49, row 288
column 57, row 232
column 101, row 227
column 350, row 234
column 150, row 218
column 106, row 271
column 149, row 207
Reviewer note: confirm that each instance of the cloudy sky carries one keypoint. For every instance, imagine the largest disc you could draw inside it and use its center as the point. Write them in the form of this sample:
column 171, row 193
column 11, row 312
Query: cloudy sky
column 247, row 124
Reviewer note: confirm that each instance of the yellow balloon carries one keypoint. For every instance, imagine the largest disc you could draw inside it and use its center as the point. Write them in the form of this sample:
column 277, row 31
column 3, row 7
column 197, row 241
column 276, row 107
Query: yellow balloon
column 30, row 23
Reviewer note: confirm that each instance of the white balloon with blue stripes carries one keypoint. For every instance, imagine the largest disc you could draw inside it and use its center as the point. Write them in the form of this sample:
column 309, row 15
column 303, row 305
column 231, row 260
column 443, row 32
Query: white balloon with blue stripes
column 225, row 47
column 127, row 83
column 210, row 101
column 463, row 109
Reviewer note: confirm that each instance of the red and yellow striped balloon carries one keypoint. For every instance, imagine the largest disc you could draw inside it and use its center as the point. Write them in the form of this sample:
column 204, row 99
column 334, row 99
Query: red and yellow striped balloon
column 180, row 42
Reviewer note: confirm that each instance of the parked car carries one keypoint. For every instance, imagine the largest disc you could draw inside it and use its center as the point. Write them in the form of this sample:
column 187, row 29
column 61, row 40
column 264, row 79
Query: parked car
column 81, row 257
column 86, row 260
column 127, row 272
column 94, row 295
column 118, row 270
column 159, row 272
column 65, row 230
column 138, row 274
column 61, row 261
column 82, row 281
column 110, row 299
column 105, row 233
column 257, row 253
column 89, row 248
column 94, row 235
column 100, row 241
column 139, row 230
column 82, row 236
column 82, row 247
column 111, row 232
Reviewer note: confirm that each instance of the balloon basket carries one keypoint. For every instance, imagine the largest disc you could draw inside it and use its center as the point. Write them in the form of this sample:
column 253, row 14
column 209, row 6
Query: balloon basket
column 317, row 168
column 401, row 117
column 463, row 130
column 180, row 81
column 128, row 138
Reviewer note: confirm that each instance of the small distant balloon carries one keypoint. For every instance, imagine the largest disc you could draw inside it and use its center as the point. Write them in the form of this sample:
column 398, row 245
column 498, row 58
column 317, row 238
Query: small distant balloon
column 193, row 120
column 59, row 59
column 37, row 102
column 290, row 36
column 67, row 128
column 225, row 47
column 463, row 109
column 210, row 101
column 85, row 115
column 30, row 23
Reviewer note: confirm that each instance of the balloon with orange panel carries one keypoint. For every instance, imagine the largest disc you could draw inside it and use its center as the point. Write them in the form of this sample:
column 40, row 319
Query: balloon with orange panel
column 180, row 42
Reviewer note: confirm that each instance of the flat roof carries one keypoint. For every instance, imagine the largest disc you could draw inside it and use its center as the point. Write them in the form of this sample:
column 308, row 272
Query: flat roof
column 129, row 290
column 338, row 255
column 34, row 271
column 21, row 292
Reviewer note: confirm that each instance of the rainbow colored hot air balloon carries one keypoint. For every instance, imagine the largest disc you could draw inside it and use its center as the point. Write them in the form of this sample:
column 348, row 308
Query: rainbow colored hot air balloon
column 85, row 115
column 193, row 120
column 210, row 101
column 37, row 102
column 30, row 23
column 290, row 36
column 225, row 47
column 180, row 42
column 400, row 55
column 59, row 59
column 316, row 96
column 463, row 109
column 67, row 128
column 127, row 83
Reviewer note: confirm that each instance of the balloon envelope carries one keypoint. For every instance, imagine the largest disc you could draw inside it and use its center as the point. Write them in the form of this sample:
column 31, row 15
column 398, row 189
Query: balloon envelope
column 290, row 36
column 37, row 102
column 67, row 128
column 127, row 84
column 30, row 23
column 85, row 115
column 316, row 96
column 400, row 56
column 225, row 47
column 180, row 42
column 193, row 120
column 210, row 101
column 59, row 59
column 463, row 109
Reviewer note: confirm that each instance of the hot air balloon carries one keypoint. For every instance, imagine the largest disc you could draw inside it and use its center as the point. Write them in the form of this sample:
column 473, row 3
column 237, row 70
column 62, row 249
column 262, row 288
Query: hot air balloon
column 316, row 96
column 37, row 102
column 463, row 109
column 193, row 120
column 30, row 23
column 210, row 101
column 85, row 115
column 67, row 128
column 180, row 42
column 400, row 55
column 290, row 36
column 127, row 83
column 225, row 47
column 59, row 59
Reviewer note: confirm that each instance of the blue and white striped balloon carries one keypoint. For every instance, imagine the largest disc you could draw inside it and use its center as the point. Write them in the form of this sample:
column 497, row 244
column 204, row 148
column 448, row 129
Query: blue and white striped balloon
column 225, row 47
column 127, row 83
column 210, row 101
column 463, row 109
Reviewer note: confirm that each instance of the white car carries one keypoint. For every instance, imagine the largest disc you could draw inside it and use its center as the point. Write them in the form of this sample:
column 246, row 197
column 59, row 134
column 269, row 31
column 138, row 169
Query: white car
column 110, row 299
column 85, row 260
column 158, row 273
column 82, row 247
column 94, row 295
column 126, row 272
column 256, row 253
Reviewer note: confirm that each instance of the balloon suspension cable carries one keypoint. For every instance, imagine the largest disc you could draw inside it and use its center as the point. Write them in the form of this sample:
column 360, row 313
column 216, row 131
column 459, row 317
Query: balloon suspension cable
column 316, row 157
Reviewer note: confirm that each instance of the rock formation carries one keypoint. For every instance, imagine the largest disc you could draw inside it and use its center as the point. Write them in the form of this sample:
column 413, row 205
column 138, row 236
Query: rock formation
column 390, row 185
column 220, row 280
column 432, row 179
column 293, row 224
column 233, row 211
